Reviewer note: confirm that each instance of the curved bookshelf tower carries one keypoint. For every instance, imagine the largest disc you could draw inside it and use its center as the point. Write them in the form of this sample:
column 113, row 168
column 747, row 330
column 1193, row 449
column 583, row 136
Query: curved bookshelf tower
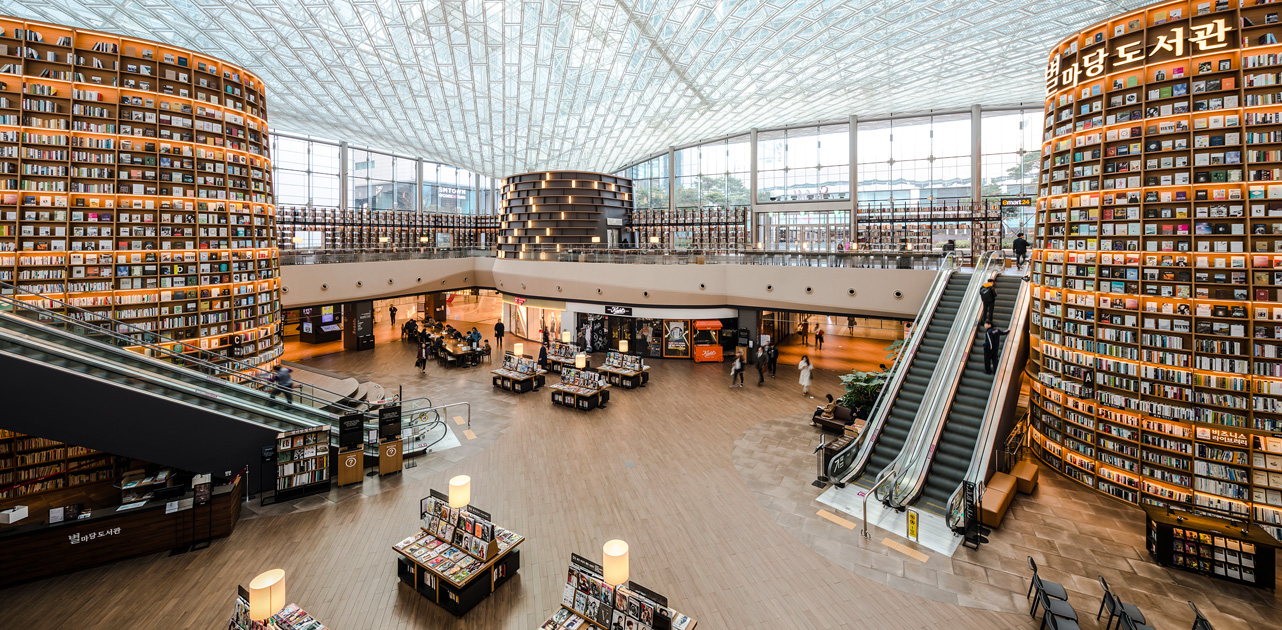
column 1157, row 302
column 136, row 184
column 548, row 211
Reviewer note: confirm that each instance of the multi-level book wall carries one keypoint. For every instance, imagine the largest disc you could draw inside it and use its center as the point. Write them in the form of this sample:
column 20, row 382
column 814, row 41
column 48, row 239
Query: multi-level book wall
column 32, row 465
column 552, row 211
column 896, row 227
column 1156, row 313
column 699, row 228
column 381, row 230
column 135, row 183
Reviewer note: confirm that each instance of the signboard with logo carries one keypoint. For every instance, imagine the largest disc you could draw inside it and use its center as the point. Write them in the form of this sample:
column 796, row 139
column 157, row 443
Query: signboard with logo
column 624, row 311
column 1017, row 202
column 676, row 338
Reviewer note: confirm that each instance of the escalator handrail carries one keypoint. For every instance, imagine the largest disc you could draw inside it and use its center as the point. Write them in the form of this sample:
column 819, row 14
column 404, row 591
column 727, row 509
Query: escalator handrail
column 913, row 463
column 985, row 443
column 168, row 370
column 862, row 447
column 27, row 341
column 95, row 320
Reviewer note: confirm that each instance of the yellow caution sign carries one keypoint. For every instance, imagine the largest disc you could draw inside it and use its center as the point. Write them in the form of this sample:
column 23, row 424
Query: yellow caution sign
column 912, row 525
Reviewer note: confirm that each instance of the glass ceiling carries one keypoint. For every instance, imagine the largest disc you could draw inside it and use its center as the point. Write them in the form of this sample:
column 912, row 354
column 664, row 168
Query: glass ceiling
column 503, row 87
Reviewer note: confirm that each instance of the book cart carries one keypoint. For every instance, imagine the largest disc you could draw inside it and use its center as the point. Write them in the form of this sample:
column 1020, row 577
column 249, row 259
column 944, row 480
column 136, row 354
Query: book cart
column 626, row 371
column 290, row 618
column 561, row 355
column 588, row 602
column 581, row 389
column 458, row 557
column 1226, row 550
column 302, row 463
column 518, row 374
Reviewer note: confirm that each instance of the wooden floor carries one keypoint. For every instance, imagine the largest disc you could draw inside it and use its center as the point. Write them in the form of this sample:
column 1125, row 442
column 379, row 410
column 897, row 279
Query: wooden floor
column 654, row 469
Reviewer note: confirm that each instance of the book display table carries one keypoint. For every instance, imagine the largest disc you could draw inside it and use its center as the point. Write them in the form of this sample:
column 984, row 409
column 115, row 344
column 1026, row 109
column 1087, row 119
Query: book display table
column 290, row 618
column 628, row 372
column 561, row 356
column 1237, row 552
column 588, row 602
column 581, row 390
column 458, row 557
column 519, row 375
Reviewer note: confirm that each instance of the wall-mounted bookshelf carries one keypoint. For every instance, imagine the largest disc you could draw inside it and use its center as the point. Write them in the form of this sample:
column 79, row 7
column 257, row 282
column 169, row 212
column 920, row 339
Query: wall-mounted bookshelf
column 694, row 228
column 1156, row 318
column 136, row 182
column 312, row 228
column 921, row 227
column 557, row 210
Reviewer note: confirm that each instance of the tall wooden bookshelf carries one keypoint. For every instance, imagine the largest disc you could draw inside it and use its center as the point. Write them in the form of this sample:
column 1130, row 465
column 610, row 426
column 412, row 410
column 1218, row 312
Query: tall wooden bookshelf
column 136, row 183
column 390, row 230
column 1156, row 318
column 558, row 210
column 698, row 228
column 32, row 465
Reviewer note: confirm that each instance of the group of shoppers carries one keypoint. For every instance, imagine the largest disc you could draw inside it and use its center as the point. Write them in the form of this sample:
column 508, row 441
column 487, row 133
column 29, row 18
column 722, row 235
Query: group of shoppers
column 765, row 360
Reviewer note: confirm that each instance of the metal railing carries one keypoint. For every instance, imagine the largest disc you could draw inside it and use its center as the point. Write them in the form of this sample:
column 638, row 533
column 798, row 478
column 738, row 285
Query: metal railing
column 986, row 441
column 913, row 462
column 852, row 459
column 869, row 259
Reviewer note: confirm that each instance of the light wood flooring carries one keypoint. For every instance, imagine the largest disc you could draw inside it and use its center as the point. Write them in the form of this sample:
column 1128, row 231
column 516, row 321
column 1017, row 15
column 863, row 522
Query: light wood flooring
column 654, row 468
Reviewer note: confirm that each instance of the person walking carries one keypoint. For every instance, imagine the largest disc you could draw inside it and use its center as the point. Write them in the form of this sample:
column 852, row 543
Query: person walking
column 992, row 345
column 803, row 330
column 772, row 351
column 819, row 338
column 545, row 336
column 391, row 310
column 850, row 326
column 761, row 365
column 1021, row 250
column 736, row 370
column 284, row 383
column 498, row 335
column 987, row 295
column 804, row 368
column 421, row 359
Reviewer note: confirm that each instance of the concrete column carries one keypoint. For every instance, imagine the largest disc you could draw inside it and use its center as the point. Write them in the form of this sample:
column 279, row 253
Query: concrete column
column 976, row 153
column 854, row 179
column 343, row 201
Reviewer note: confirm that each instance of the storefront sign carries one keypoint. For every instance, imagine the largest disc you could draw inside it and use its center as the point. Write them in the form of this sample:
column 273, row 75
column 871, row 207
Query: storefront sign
column 1221, row 436
column 519, row 301
column 1018, row 202
column 624, row 311
column 1126, row 47
column 676, row 338
column 78, row 538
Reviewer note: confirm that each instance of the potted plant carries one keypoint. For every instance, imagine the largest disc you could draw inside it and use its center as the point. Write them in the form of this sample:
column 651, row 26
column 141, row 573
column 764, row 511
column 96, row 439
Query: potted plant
column 862, row 388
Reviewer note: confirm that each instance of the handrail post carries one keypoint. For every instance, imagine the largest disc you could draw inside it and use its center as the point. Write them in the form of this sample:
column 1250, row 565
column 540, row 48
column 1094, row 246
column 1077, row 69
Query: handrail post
column 871, row 491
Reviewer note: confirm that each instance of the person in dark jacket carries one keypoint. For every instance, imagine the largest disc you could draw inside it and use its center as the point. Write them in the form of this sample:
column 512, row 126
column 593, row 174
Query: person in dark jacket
column 421, row 362
column 761, row 361
column 1021, row 250
column 498, row 335
column 987, row 295
column 543, row 358
column 772, row 353
column 992, row 344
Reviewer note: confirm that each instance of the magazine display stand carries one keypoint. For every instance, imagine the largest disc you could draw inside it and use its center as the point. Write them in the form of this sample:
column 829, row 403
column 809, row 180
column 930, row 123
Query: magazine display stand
column 290, row 618
column 626, row 371
column 302, row 462
column 458, row 557
column 518, row 374
column 581, row 389
column 588, row 603
column 561, row 355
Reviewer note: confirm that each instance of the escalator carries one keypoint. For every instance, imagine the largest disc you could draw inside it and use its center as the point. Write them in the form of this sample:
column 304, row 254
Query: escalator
column 920, row 372
column 955, row 447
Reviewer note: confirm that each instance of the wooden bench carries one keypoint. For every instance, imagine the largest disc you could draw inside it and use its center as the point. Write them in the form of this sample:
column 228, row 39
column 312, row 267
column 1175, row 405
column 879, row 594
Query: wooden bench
column 1025, row 474
column 998, row 494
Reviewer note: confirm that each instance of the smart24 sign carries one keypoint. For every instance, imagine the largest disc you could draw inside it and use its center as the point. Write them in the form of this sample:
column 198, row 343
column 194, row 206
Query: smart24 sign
column 1131, row 44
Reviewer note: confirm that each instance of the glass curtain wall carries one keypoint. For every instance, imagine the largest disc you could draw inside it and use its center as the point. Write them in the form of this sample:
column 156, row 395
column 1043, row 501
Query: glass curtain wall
column 1011, row 145
column 649, row 183
column 309, row 174
column 714, row 175
column 914, row 160
column 804, row 164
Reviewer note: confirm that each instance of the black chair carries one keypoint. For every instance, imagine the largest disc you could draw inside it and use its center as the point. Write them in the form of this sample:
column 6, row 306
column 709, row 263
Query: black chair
column 1057, row 613
column 1116, row 607
column 1199, row 622
column 1131, row 623
column 1055, row 590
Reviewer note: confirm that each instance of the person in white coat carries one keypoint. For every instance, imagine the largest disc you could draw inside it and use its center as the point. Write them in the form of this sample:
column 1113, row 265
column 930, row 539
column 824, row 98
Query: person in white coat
column 804, row 368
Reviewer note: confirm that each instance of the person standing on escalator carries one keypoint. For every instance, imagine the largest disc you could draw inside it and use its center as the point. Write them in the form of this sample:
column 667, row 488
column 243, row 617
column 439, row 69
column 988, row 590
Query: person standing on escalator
column 987, row 295
column 992, row 345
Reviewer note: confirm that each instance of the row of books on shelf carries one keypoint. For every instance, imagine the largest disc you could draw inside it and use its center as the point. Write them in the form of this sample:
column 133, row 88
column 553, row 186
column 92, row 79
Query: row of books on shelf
column 683, row 216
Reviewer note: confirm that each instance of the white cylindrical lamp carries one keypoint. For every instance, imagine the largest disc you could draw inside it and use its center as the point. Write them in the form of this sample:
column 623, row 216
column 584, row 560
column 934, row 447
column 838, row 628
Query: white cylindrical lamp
column 267, row 594
column 460, row 491
column 614, row 562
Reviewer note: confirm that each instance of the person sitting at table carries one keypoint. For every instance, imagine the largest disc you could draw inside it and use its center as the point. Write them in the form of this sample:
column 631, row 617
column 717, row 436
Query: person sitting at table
column 486, row 349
